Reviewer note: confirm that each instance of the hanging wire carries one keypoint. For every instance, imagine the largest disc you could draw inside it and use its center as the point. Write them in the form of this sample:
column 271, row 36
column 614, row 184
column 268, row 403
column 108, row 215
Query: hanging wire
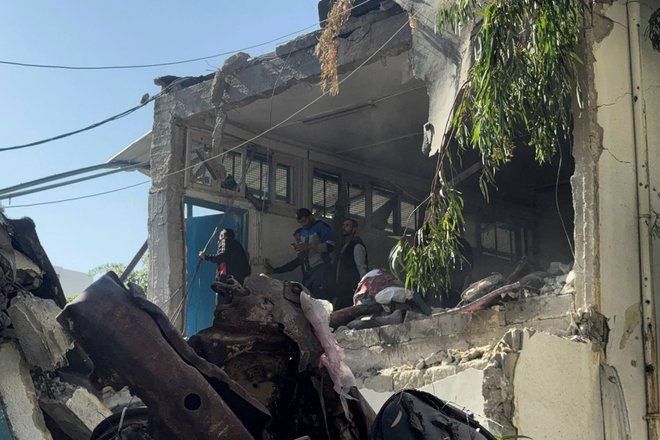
column 169, row 63
column 98, row 124
column 241, row 144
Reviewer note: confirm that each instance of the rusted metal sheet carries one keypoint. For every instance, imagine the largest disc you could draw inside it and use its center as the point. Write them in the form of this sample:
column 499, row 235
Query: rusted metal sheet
column 131, row 342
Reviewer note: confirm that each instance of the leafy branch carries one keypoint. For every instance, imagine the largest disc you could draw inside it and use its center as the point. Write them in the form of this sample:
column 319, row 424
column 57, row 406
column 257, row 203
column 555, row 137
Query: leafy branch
column 518, row 91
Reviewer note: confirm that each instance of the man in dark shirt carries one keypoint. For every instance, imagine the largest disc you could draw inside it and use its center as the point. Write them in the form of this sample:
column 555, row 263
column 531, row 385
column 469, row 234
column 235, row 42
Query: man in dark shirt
column 231, row 257
column 351, row 264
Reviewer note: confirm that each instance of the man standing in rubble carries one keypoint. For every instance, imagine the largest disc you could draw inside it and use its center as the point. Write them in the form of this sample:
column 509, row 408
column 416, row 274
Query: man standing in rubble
column 351, row 264
column 231, row 257
column 314, row 243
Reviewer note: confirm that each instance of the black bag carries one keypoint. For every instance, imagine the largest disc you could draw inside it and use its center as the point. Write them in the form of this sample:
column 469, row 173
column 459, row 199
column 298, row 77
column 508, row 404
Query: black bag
column 416, row 415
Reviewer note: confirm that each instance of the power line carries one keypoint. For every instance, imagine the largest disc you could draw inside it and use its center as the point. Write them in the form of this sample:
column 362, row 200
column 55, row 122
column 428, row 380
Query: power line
column 297, row 112
column 144, row 66
column 257, row 136
column 76, row 198
column 96, row 124
column 170, row 63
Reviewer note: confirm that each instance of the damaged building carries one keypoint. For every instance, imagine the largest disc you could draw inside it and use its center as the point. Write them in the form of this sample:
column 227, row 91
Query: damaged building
column 573, row 357
column 568, row 348
column 576, row 357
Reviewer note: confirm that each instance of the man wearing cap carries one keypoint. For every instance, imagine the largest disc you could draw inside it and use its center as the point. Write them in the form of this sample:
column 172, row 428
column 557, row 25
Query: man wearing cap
column 314, row 243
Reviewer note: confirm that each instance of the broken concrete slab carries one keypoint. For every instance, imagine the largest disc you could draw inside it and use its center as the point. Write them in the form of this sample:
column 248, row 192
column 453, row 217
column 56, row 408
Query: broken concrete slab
column 42, row 338
column 18, row 396
column 78, row 415
column 379, row 348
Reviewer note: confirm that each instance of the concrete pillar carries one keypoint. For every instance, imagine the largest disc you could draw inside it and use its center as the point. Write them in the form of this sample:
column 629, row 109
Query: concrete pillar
column 167, row 268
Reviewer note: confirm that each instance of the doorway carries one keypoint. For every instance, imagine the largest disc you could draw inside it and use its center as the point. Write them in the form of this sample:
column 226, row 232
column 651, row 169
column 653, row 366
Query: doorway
column 203, row 222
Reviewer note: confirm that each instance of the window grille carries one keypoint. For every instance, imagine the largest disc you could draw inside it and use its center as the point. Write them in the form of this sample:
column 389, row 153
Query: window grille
column 284, row 183
column 325, row 190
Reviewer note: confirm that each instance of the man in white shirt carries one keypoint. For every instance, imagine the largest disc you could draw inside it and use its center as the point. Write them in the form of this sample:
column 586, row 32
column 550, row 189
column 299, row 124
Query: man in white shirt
column 351, row 264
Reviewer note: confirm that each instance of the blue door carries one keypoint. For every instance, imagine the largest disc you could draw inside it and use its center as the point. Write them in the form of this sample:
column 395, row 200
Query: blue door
column 200, row 302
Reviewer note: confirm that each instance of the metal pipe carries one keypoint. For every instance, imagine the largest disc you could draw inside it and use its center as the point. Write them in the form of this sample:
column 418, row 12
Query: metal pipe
column 10, row 195
column 644, row 222
column 65, row 174
column 134, row 262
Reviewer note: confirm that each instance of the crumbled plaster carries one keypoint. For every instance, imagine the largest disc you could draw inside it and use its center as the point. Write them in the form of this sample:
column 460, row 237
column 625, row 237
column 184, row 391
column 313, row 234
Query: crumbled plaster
column 18, row 397
column 499, row 364
column 439, row 58
column 410, row 342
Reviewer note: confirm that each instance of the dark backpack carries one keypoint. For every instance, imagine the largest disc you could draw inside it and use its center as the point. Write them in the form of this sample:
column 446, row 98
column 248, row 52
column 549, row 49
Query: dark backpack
column 416, row 415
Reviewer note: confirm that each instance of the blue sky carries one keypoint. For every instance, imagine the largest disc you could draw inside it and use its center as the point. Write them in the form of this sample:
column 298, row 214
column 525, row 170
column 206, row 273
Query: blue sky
column 41, row 103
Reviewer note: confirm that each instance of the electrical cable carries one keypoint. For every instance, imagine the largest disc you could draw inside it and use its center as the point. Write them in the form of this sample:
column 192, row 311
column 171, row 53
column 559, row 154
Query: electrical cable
column 252, row 139
column 294, row 114
column 76, row 198
column 97, row 124
column 170, row 63
column 142, row 104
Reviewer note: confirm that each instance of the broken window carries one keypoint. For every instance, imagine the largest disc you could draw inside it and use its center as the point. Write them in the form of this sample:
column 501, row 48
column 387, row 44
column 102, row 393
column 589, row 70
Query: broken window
column 205, row 167
column 284, row 183
column 257, row 177
column 233, row 168
column 325, row 190
column 408, row 216
column 357, row 207
column 383, row 204
column 499, row 240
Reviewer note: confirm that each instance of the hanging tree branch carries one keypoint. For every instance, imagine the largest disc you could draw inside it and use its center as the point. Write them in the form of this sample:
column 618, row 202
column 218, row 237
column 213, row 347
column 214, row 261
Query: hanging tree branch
column 519, row 87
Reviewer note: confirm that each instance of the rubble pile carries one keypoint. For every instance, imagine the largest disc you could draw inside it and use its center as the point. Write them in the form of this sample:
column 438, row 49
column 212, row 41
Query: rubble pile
column 524, row 282
column 44, row 393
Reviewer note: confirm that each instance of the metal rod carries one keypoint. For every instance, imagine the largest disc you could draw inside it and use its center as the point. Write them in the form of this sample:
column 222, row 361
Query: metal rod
column 134, row 262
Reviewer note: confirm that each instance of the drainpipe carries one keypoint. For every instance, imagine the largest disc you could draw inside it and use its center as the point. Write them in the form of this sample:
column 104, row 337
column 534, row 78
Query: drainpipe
column 652, row 416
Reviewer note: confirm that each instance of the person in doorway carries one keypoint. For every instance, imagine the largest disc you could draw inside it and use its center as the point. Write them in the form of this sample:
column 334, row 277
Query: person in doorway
column 351, row 264
column 231, row 258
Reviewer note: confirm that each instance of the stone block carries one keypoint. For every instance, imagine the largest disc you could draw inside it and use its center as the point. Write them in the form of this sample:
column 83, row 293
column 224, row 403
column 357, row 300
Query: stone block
column 381, row 383
column 42, row 339
column 538, row 308
column 18, row 396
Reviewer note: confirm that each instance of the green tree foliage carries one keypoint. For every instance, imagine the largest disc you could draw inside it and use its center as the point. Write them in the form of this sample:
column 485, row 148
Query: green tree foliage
column 139, row 276
column 518, row 92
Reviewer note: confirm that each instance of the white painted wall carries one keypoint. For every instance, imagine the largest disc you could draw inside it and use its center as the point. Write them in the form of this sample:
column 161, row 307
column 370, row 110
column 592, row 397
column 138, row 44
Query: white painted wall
column 620, row 296
column 557, row 390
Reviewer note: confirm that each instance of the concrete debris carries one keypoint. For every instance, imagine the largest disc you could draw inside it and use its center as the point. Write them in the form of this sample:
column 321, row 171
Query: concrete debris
column 42, row 339
column 558, row 268
column 19, row 398
column 116, row 401
column 78, row 415
column 590, row 326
